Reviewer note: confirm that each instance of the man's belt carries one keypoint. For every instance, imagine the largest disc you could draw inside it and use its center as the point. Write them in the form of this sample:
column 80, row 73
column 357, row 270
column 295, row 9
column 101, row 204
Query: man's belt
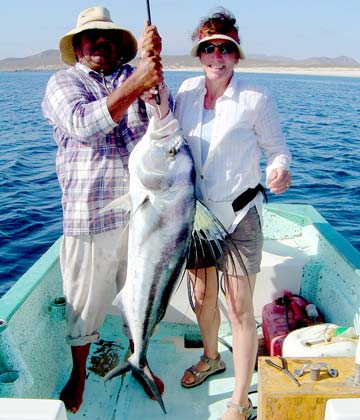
column 240, row 202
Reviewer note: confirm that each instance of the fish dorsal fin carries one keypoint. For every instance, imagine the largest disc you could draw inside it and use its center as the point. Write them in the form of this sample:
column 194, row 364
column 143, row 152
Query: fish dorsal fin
column 208, row 227
column 209, row 234
column 205, row 220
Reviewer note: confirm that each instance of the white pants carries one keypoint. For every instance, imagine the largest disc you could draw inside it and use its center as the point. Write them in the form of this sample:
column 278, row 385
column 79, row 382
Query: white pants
column 94, row 270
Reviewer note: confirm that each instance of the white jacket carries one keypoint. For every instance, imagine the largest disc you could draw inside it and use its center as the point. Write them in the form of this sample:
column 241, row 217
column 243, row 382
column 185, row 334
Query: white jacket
column 246, row 123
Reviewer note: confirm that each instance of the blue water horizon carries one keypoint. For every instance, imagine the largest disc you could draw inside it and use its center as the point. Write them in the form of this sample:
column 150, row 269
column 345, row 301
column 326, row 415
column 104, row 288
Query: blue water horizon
column 319, row 115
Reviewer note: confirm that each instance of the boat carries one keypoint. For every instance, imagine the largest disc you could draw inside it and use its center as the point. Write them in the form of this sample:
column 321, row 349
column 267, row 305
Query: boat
column 302, row 253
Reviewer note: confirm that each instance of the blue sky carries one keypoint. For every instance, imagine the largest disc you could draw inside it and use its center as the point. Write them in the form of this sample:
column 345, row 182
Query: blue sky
column 292, row 28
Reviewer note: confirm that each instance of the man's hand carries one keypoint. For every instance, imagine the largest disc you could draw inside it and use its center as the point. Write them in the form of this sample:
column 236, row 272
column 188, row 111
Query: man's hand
column 149, row 43
column 149, row 72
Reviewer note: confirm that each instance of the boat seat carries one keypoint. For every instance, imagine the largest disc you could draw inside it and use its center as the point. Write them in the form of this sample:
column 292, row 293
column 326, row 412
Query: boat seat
column 31, row 409
column 281, row 269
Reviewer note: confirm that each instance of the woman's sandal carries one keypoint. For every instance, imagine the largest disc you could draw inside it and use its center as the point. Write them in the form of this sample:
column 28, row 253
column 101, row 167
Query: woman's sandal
column 241, row 410
column 215, row 366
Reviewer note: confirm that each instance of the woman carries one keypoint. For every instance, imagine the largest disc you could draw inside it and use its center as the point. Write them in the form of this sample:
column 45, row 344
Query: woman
column 228, row 123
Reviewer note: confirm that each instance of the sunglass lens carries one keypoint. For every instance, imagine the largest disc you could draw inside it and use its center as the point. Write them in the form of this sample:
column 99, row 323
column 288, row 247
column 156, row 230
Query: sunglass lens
column 94, row 34
column 209, row 49
column 225, row 48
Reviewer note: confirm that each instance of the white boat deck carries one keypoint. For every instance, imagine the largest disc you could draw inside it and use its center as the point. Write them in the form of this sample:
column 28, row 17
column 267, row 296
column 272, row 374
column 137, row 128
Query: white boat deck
column 123, row 397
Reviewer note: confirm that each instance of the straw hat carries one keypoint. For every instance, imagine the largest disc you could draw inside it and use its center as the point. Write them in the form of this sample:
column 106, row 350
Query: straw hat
column 97, row 17
column 234, row 40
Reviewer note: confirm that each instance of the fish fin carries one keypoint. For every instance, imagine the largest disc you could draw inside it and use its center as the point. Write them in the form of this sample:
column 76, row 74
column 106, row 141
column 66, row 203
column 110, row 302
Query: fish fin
column 145, row 376
column 205, row 220
column 142, row 203
column 122, row 203
column 118, row 370
column 209, row 234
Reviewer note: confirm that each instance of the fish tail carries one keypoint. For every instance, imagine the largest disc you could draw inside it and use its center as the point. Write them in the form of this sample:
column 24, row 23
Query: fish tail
column 118, row 370
column 145, row 376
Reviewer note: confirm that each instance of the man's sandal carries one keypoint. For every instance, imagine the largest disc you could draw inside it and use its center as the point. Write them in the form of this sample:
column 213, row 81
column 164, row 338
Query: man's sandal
column 246, row 412
column 215, row 366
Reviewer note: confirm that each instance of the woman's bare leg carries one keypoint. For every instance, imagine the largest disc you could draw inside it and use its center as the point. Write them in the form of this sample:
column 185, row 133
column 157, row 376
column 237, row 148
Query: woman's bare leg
column 207, row 313
column 239, row 292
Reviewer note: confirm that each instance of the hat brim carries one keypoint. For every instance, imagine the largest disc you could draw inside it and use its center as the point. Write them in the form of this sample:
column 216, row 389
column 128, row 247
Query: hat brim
column 127, row 43
column 194, row 50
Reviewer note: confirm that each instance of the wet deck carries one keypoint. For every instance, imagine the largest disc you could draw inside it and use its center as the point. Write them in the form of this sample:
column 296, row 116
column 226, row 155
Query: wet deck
column 123, row 397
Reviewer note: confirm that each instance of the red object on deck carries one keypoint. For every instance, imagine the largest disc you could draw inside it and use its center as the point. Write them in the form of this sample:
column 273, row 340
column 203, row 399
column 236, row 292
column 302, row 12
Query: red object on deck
column 282, row 316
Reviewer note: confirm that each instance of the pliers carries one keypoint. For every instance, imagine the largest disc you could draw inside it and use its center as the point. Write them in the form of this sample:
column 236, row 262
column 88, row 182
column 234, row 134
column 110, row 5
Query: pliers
column 284, row 369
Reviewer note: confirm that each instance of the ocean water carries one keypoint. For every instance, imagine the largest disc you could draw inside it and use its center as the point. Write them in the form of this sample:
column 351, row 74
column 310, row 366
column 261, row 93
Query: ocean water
column 320, row 117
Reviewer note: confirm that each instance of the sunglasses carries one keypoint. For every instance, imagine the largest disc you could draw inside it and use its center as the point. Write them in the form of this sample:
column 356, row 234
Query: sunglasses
column 93, row 35
column 224, row 49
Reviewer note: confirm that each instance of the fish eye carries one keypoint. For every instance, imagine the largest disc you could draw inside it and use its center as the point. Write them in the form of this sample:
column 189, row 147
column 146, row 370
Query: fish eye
column 172, row 152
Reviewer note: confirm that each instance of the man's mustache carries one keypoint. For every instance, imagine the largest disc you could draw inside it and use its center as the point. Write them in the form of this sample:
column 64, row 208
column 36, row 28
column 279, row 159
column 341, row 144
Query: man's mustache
column 101, row 46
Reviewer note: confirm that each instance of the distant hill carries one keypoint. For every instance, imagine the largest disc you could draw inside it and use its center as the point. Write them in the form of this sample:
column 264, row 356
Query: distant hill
column 50, row 60
column 46, row 60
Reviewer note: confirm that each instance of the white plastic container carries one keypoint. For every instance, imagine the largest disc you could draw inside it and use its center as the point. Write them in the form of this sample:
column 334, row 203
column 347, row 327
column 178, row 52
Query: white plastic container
column 298, row 343
column 342, row 409
column 31, row 409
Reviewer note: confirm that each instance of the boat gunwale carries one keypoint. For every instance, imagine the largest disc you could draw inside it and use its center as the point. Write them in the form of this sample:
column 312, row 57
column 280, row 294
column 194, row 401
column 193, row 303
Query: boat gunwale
column 12, row 300
column 300, row 214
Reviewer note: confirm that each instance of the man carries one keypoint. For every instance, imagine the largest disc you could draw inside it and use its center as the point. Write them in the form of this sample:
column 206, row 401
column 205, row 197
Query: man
column 98, row 117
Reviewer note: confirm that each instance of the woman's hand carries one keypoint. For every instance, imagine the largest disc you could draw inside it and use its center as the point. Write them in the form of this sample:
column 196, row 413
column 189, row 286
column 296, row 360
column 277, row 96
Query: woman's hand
column 148, row 96
column 279, row 180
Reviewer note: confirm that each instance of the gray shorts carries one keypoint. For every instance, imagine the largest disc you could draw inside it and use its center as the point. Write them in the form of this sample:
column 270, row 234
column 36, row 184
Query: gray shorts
column 242, row 249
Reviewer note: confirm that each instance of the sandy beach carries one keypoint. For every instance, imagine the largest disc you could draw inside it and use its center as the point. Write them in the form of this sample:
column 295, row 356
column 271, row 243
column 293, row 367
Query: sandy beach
column 315, row 71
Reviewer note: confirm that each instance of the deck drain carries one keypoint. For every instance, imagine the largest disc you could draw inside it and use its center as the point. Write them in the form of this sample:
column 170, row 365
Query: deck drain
column 193, row 340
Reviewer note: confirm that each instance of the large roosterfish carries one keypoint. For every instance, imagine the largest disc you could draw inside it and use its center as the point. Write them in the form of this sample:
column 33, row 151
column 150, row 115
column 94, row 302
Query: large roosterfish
column 162, row 205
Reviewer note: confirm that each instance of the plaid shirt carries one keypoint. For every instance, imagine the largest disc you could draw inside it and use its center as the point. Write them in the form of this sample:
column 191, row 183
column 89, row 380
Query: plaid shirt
column 93, row 150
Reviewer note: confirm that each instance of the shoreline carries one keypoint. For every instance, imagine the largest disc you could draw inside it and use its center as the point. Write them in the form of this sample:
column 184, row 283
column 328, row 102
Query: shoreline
column 289, row 70
column 313, row 71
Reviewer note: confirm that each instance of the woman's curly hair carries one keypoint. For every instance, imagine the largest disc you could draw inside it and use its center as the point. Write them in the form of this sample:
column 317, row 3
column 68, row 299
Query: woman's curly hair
column 220, row 22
